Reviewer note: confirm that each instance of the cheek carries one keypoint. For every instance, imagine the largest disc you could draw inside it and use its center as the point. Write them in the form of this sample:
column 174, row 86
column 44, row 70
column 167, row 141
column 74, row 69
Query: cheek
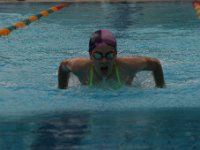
column 96, row 65
column 112, row 64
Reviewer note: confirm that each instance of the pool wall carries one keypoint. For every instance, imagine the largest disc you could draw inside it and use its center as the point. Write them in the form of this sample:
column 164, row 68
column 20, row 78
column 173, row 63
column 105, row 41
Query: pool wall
column 7, row 1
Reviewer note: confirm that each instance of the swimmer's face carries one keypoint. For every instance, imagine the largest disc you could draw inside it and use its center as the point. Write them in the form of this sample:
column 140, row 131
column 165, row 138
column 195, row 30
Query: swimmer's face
column 103, row 58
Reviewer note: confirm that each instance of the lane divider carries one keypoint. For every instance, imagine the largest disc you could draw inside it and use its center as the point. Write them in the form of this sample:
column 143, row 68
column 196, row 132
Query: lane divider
column 30, row 19
column 196, row 5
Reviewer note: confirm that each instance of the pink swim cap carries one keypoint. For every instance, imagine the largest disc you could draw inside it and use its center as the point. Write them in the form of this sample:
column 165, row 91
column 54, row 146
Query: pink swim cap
column 102, row 37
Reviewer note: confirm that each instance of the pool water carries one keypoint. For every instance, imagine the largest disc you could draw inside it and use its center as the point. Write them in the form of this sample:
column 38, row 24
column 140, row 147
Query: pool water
column 35, row 114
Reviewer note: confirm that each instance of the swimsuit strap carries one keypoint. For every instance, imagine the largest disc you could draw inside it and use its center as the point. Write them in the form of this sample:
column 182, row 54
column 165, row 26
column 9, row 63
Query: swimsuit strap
column 117, row 74
column 91, row 76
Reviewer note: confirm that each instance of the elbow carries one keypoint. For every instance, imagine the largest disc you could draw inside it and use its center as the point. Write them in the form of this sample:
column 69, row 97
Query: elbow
column 64, row 66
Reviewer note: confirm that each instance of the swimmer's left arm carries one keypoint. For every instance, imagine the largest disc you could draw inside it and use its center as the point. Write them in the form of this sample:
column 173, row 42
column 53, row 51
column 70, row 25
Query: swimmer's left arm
column 154, row 65
column 139, row 63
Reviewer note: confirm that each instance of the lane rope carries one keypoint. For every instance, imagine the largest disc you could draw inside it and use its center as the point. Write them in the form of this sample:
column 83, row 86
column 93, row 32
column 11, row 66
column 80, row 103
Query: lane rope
column 21, row 24
column 196, row 6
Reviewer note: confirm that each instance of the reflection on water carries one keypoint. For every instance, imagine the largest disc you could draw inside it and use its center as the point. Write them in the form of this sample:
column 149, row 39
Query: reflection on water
column 138, row 129
column 155, row 27
column 128, row 12
column 61, row 133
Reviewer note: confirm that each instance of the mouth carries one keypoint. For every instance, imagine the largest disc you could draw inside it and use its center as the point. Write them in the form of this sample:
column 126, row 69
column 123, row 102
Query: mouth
column 104, row 71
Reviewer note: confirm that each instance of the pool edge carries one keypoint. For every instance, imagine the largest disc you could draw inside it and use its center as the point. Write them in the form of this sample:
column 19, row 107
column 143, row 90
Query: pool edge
column 87, row 1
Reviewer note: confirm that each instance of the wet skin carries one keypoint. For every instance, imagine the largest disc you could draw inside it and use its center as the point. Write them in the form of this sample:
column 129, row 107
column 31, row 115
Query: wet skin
column 104, row 69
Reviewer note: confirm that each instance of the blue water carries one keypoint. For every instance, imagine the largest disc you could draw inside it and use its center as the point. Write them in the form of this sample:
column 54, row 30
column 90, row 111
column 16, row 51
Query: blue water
column 35, row 114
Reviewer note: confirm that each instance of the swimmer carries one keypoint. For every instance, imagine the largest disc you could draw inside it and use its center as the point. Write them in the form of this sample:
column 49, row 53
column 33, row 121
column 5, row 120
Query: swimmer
column 103, row 65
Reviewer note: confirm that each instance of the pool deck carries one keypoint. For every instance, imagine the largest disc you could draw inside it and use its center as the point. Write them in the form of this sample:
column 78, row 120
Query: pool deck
column 79, row 1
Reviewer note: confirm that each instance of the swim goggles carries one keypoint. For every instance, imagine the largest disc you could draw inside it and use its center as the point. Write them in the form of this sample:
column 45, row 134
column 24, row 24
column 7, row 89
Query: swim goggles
column 99, row 56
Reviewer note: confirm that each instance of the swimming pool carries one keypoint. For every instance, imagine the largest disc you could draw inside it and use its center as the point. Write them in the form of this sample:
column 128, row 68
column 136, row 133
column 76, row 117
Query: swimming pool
column 35, row 114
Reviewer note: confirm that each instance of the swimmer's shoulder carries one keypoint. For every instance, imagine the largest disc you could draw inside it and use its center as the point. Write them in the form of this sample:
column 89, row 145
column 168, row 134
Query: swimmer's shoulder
column 128, row 60
column 77, row 60
column 76, row 64
column 132, row 62
column 137, row 63
column 133, row 59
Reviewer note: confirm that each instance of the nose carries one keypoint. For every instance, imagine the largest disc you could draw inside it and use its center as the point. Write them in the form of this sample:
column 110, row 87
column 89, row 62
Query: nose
column 104, row 59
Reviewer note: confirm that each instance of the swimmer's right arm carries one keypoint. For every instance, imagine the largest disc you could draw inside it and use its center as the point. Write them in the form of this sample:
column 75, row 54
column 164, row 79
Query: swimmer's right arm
column 63, row 74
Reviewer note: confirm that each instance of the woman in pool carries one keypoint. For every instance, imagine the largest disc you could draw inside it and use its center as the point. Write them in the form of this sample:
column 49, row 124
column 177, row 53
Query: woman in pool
column 104, row 66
